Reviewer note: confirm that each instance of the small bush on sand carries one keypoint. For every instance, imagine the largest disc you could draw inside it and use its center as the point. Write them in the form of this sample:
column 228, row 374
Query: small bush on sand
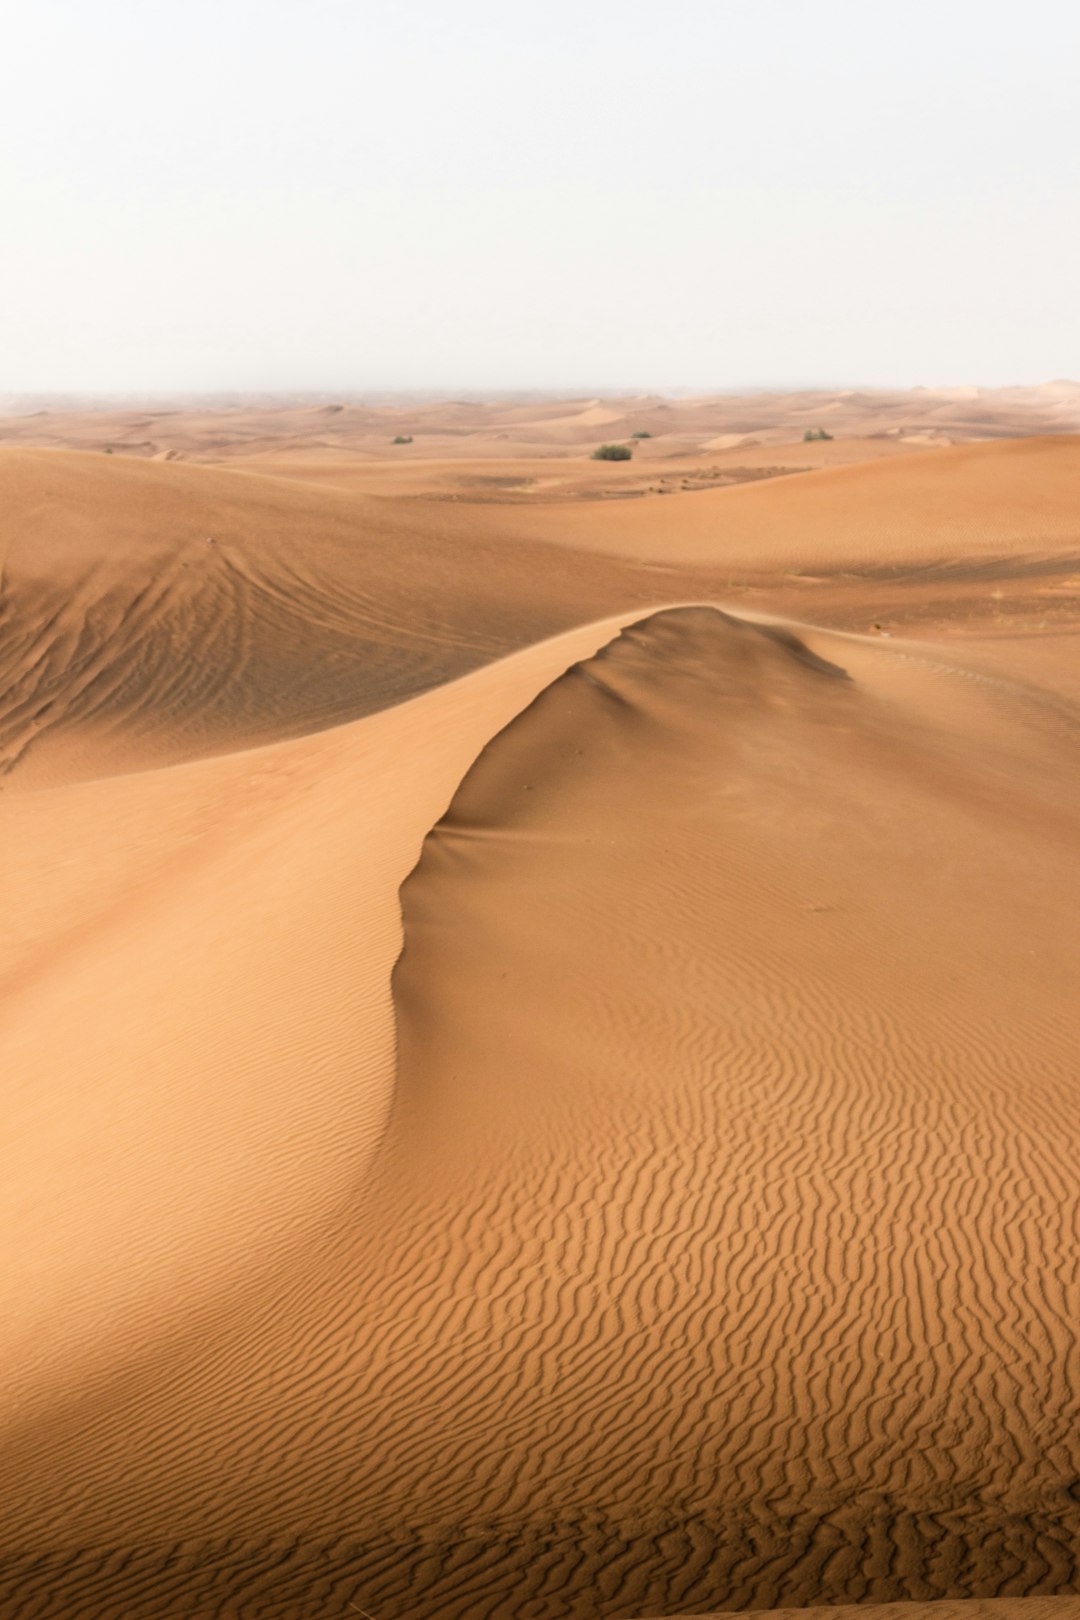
column 812, row 435
column 612, row 452
column 642, row 435
column 403, row 438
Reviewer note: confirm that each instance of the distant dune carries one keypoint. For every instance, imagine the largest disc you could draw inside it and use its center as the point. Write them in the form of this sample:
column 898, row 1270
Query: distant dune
column 540, row 1028
column 228, row 428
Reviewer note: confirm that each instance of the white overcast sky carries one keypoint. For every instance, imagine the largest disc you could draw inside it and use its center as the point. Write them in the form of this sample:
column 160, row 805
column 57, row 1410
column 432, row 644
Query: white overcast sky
column 579, row 194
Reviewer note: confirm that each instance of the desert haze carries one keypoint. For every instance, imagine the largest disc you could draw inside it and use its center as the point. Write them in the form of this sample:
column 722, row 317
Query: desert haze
column 541, row 1001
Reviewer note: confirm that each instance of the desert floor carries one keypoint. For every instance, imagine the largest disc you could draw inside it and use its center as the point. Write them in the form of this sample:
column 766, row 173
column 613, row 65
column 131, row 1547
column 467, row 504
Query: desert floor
column 540, row 1009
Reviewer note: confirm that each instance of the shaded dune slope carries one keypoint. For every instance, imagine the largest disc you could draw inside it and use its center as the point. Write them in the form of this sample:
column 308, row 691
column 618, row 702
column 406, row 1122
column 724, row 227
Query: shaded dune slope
column 717, row 1249
column 151, row 613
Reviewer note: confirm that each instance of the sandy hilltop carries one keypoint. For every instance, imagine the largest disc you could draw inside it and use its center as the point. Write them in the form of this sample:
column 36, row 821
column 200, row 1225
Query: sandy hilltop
column 541, row 1008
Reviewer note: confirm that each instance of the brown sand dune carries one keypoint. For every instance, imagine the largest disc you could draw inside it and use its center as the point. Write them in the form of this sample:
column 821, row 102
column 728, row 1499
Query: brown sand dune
column 224, row 930
column 705, row 1236
column 224, row 428
column 974, row 501
column 964, row 540
column 159, row 612
column 1045, row 1608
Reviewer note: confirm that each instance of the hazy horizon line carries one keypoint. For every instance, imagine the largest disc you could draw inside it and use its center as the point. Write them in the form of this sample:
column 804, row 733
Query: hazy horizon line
column 21, row 401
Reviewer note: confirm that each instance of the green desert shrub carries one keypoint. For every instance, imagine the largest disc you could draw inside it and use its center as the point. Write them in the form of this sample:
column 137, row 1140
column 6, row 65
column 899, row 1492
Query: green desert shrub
column 612, row 452
column 812, row 435
column 403, row 438
column 641, row 435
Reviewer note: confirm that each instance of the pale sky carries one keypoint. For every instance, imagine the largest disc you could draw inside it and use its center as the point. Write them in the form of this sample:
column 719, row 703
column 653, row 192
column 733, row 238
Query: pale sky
column 573, row 194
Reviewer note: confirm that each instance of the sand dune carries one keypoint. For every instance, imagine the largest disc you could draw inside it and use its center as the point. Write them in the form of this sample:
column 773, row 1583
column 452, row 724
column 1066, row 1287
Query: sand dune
column 540, row 1084
column 1018, row 497
column 224, row 428
column 160, row 612
column 966, row 540
column 965, row 1609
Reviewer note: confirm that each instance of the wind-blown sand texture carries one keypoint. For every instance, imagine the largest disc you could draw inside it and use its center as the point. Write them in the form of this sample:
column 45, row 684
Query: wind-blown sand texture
column 944, row 1609
column 540, row 1043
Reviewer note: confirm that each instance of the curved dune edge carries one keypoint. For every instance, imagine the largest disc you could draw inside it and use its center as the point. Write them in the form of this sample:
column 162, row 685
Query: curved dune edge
column 700, row 879
column 155, row 612
column 158, row 611
column 198, row 925
column 462, row 1150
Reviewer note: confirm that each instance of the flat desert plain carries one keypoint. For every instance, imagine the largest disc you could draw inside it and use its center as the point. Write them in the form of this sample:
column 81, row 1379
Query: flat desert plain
column 540, row 1009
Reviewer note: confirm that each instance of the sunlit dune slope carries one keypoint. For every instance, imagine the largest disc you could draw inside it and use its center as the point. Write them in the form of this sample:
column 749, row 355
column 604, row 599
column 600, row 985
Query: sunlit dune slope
column 717, row 1248
column 769, row 1081
column 957, row 541
column 198, row 1042
column 154, row 612
column 968, row 502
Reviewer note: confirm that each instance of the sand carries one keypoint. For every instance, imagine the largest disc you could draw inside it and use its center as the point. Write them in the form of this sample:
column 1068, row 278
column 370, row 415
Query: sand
column 359, row 432
column 540, row 1041
column 943, row 1609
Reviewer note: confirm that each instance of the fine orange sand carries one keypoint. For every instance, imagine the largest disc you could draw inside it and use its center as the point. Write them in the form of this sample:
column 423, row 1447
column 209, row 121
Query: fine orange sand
column 540, row 1041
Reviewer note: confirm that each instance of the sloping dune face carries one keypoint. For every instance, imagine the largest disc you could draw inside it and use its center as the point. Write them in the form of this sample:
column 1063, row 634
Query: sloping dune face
column 1017, row 499
column 152, row 613
column 686, row 1223
column 752, row 983
column 717, row 1252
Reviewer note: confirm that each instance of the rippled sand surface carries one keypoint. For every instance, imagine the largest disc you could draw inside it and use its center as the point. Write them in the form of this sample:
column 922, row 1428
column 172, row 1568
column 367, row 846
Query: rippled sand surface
column 539, row 1040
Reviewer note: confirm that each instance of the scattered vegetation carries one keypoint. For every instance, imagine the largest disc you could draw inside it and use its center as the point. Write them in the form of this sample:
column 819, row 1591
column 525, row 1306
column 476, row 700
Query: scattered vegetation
column 641, row 435
column 403, row 438
column 812, row 435
column 612, row 452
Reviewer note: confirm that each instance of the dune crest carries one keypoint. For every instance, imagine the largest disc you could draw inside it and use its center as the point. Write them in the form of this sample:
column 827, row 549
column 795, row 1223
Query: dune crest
column 686, row 1222
column 156, row 612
